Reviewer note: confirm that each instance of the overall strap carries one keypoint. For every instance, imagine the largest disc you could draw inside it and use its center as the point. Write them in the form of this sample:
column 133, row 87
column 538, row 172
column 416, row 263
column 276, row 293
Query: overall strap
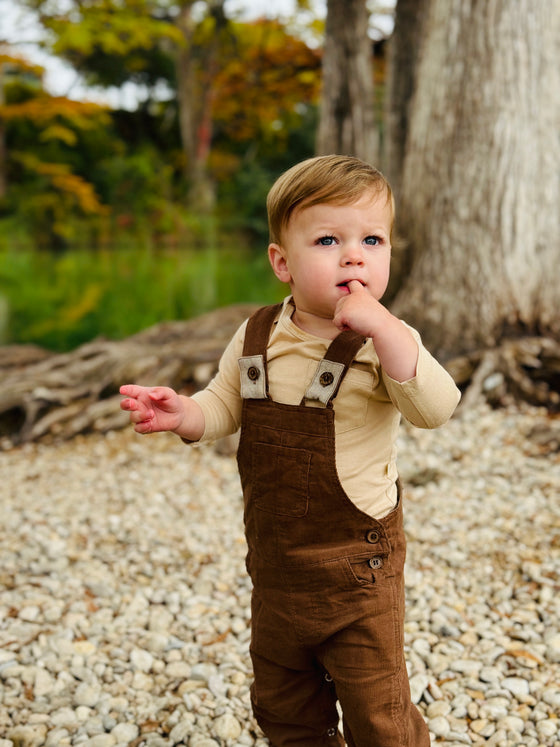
column 252, row 366
column 332, row 369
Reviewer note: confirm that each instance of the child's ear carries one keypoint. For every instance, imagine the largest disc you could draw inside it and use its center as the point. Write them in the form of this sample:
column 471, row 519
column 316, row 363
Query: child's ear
column 279, row 263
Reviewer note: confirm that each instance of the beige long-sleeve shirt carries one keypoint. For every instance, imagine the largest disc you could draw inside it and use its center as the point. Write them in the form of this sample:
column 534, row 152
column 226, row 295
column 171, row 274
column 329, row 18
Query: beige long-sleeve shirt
column 368, row 406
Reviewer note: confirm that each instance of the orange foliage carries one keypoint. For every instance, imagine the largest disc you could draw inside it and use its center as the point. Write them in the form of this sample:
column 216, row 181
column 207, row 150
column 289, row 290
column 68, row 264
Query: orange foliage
column 11, row 62
column 42, row 109
column 73, row 189
column 268, row 77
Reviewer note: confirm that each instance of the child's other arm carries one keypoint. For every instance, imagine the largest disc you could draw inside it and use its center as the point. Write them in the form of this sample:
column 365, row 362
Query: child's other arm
column 156, row 409
column 394, row 344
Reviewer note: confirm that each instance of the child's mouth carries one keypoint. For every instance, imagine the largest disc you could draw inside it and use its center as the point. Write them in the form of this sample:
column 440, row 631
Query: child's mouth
column 345, row 283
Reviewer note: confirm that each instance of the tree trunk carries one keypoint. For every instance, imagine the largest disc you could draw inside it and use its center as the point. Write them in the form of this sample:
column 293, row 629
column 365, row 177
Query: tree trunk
column 195, row 101
column 3, row 179
column 404, row 49
column 186, row 86
column 480, row 192
column 347, row 115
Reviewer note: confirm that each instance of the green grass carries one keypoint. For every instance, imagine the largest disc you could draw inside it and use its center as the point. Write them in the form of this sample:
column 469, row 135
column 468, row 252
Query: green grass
column 61, row 301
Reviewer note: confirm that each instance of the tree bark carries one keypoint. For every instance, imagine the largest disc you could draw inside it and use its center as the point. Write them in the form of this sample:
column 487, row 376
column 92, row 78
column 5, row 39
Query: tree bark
column 347, row 115
column 404, row 49
column 195, row 101
column 3, row 178
column 480, row 191
column 403, row 53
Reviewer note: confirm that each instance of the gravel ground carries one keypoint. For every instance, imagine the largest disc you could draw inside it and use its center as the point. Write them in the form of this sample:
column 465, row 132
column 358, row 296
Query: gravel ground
column 124, row 604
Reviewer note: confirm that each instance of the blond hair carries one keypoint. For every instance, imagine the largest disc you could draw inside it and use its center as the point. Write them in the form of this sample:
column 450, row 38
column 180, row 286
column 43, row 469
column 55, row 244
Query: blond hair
column 334, row 179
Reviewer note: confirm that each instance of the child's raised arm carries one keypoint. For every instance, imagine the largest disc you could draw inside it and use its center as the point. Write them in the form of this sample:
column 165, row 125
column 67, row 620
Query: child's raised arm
column 159, row 408
column 394, row 344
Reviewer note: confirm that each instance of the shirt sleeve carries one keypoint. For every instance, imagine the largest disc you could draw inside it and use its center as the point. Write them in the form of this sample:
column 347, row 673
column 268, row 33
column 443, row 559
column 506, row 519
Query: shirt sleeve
column 429, row 399
column 221, row 400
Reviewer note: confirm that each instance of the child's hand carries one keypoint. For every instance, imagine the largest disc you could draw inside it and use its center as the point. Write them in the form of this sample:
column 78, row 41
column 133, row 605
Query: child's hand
column 152, row 409
column 359, row 311
column 395, row 346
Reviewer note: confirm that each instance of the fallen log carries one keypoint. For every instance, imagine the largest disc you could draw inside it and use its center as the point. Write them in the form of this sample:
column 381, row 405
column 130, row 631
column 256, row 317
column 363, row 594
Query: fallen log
column 46, row 395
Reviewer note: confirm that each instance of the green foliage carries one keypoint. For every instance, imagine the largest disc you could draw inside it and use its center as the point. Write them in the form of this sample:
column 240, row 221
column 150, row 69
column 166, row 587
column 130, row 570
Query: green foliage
column 113, row 42
column 79, row 174
column 47, row 165
column 63, row 301
column 243, row 195
column 82, row 180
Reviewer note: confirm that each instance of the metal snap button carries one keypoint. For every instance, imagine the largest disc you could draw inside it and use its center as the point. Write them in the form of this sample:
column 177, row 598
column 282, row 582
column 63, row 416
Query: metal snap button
column 376, row 562
column 332, row 732
column 326, row 378
column 253, row 373
column 372, row 536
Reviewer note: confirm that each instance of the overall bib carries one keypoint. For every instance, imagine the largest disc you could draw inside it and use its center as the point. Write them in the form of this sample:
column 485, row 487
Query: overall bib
column 328, row 589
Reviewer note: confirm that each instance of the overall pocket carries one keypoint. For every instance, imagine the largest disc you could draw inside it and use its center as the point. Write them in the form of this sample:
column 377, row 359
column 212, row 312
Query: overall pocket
column 281, row 479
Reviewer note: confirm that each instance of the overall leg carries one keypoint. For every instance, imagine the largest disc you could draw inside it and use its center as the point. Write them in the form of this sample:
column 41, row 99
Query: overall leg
column 366, row 661
column 293, row 702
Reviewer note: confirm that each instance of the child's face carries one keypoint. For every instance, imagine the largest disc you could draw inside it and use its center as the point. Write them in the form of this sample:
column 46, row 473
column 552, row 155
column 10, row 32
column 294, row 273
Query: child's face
column 324, row 246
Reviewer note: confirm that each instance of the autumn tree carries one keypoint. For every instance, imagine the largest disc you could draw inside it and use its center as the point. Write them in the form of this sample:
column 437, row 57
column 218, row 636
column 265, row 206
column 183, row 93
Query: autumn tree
column 239, row 80
column 39, row 130
column 347, row 116
column 480, row 191
column 12, row 68
column 199, row 55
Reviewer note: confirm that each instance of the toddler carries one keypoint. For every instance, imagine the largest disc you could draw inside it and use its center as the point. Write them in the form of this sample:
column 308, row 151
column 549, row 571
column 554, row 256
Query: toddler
column 318, row 385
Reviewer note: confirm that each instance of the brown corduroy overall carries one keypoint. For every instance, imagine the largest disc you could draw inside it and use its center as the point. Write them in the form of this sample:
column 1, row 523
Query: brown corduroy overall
column 328, row 598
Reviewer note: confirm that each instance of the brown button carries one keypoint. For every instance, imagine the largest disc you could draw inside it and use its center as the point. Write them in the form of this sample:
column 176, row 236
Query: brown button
column 326, row 378
column 372, row 536
column 376, row 562
column 253, row 373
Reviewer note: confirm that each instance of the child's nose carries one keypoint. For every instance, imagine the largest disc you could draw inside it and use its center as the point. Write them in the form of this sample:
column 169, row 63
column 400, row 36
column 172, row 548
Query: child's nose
column 352, row 255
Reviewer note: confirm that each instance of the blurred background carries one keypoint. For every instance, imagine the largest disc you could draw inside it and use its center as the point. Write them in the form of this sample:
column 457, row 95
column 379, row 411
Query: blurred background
column 139, row 138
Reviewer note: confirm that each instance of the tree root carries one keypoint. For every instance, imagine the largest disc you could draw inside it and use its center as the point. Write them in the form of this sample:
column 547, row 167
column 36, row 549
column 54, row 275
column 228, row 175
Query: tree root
column 525, row 369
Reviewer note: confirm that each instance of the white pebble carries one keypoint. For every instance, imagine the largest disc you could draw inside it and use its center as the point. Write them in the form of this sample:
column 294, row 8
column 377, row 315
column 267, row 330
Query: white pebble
column 179, row 670
column 27, row 736
column 87, row 695
column 125, row 732
column 438, row 708
column 30, row 613
column 44, row 683
column 418, row 683
column 227, row 727
column 517, row 686
column 512, row 723
column 439, row 726
column 199, row 740
column 553, row 648
column 182, row 730
column 549, row 728
column 100, row 740
column 141, row 660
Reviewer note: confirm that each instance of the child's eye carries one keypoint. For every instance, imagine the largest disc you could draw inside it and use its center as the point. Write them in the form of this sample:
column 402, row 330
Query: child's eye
column 372, row 240
column 327, row 241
